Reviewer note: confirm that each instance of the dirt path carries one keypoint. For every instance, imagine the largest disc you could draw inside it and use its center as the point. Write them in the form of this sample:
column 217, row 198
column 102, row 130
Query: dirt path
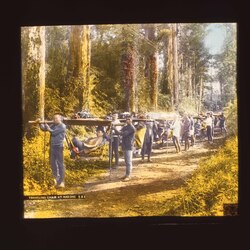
column 147, row 194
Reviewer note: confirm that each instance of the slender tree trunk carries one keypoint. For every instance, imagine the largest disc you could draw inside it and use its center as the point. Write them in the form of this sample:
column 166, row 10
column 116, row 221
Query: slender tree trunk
column 85, row 66
column 200, row 95
column 136, row 80
column 190, row 89
column 175, row 65
column 221, row 93
column 24, row 59
column 165, row 85
column 181, row 76
column 127, row 62
column 194, row 85
column 154, row 80
column 170, row 67
column 186, row 83
column 194, row 91
column 202, row 92
column 74, row 51
column 211, row 93
column 127, row 79
column 152, row 64
column 136, row 69
column 41, row 51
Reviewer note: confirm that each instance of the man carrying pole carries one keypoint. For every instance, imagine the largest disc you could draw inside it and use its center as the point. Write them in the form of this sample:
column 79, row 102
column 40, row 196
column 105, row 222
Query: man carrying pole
column 128, row 137
column 57, row 135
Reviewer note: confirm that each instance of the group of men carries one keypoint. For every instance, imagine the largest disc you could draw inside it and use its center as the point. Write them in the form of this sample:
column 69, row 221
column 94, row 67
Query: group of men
column 182, row 130
column 57, row 136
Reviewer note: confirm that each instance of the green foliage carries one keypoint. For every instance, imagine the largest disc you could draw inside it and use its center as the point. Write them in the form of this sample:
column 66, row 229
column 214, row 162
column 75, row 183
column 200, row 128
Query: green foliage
column 56, row 56
column 195, row 62
column 64, row 90
column 56, row 67
column 164, row 102
column 226, row 65
column 213, row 184
column 72, row 95
column 187, row 105
column 194, row 51
column 53, row 102
column 79, row 131
column 231, row 114
column 144, row 103
column 36, row 170
column 105, row 59
column 102, row 101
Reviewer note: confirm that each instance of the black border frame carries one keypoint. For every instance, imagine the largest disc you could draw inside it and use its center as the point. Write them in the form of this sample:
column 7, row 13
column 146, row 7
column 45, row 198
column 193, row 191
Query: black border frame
column 29, row 13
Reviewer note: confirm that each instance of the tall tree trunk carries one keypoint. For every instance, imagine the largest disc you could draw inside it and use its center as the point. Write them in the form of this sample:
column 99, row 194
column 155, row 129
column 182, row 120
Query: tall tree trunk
column 190, row 89
column 194, row 73
column 194, row 87
column 41, row 51
column 222, row 97
column 79, row 63
column 154, row 80
column 136, row 80
column 152, row 64
column 181, row 77
column 85, row 65
column 128, row 72
column 165, row 85
column 33, row 74
column 170, row 67
column 127, row 63
column 74, row 51
column 175, row 66
column 200, row 95
column 24, row 60
column 136, row 68
column 211, row 93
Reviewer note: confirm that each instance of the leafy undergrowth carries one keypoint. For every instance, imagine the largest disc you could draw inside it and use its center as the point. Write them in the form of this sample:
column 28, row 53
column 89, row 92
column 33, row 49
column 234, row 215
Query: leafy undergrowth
column 212, row 185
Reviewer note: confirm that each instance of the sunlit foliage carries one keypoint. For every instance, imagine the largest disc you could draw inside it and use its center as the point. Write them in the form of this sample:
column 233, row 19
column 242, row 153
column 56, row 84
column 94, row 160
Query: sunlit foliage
column 214, row 184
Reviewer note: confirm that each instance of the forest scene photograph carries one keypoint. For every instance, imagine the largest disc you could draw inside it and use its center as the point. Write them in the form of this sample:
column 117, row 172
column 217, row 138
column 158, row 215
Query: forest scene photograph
column 129, row 120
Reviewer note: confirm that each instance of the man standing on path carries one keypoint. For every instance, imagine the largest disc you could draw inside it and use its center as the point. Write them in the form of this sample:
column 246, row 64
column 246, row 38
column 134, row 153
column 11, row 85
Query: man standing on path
column 57, row 134
column 222, row 124
column 186, row 131
column 176, row 127
column 128, row 137
column 116, row 140
column 209, row 123
column 148, row 140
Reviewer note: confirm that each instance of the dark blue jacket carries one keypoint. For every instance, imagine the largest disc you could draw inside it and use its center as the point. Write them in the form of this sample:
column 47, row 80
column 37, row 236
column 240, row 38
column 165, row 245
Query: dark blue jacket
column 57, row 133
column 128, row 137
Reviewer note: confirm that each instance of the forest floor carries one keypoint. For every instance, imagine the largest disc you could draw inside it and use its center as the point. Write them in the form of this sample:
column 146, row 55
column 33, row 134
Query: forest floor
column 148, row 193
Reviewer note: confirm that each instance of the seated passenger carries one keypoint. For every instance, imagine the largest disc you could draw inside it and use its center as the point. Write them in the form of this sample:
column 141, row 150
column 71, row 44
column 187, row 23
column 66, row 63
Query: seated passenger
column 90, row 144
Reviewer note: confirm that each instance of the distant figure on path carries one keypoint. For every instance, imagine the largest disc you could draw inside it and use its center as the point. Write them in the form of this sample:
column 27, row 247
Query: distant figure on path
column 176, row 127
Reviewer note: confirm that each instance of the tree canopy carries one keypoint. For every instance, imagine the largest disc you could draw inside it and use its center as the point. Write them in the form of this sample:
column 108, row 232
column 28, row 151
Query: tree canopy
column 125, row 67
